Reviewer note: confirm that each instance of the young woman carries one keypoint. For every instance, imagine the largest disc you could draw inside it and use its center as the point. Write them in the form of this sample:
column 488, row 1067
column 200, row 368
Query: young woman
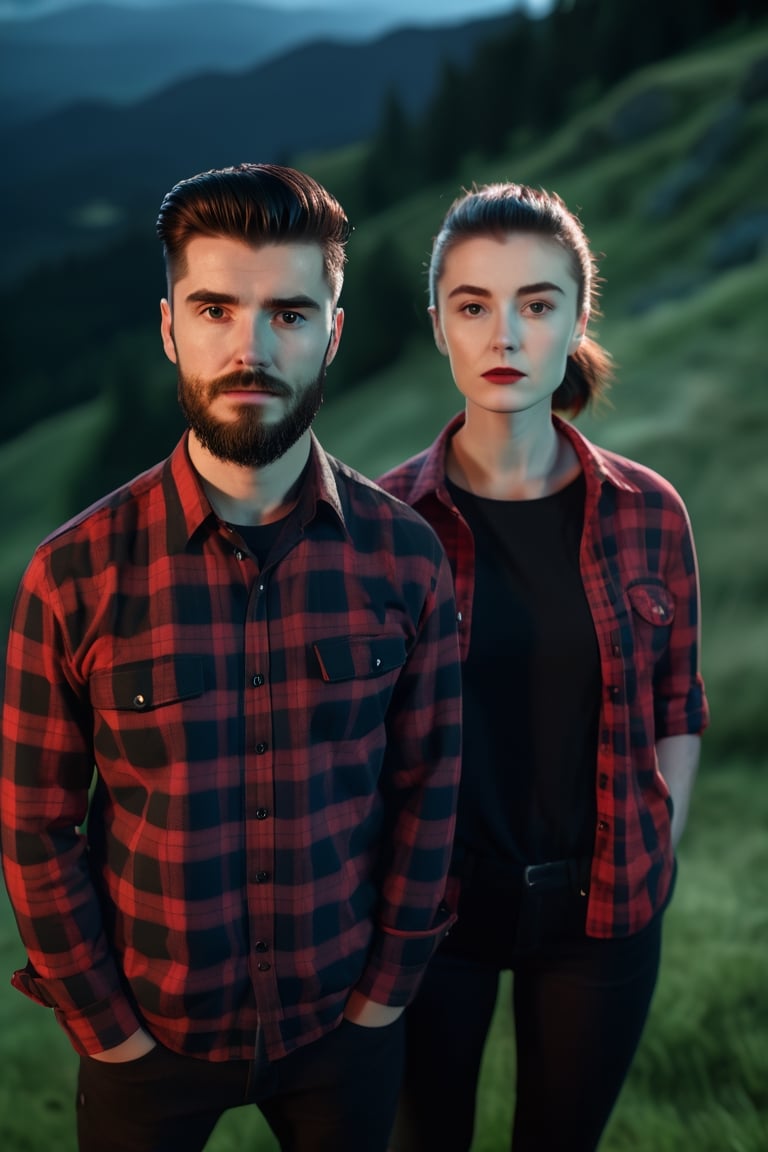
column 578, row 601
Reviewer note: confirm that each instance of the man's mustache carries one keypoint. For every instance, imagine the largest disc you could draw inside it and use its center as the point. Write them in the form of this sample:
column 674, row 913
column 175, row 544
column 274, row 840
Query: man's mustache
column 248, row 380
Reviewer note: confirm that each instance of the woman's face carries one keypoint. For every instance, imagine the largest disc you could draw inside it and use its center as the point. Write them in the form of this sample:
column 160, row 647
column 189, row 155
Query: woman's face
column 507, row 317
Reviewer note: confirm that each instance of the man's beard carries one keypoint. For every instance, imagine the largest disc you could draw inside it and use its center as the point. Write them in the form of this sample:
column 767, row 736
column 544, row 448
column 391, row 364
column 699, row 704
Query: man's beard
column 247, row 440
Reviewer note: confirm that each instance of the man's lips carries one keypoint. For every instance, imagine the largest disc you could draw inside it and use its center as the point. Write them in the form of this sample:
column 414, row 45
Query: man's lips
column 503, row 375
column 249, row 386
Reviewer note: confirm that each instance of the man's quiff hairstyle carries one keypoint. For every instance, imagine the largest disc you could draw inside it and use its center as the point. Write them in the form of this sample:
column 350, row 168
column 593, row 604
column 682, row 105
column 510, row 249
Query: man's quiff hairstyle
column 257, row 203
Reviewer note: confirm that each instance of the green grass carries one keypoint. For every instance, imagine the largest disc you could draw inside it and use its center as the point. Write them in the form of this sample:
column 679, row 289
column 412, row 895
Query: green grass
column 700, row 1078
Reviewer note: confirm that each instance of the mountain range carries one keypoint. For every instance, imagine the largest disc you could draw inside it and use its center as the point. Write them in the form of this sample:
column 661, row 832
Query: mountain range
column 122, row 54
column 76, row 178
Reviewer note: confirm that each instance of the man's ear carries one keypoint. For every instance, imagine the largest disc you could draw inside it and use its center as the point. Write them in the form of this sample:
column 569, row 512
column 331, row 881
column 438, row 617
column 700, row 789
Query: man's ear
column 437, row 330
column 166, row 331
column 337, row 324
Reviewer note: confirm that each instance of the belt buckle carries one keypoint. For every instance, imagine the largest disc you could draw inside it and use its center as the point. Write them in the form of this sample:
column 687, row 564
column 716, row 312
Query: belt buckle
column 537, row 874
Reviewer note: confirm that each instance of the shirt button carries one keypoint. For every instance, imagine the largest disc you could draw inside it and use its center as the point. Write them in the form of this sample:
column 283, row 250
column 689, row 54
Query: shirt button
column 616, row 650
column 459, row 617
column 603, row 780
column 257, row 680
column 263, row 966
column 602, row 825
column 239, row 554
column 262, row 813
column 261, row 747
column 139, row 700
column 262, row 877
column 261, row 946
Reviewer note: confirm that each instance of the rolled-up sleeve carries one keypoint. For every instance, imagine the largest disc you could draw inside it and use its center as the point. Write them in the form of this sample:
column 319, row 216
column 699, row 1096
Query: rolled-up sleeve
column 420, row 790
column 47, row 766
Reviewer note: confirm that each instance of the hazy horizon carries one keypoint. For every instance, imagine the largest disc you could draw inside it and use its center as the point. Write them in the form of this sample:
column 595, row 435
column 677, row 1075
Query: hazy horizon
column 415, row 11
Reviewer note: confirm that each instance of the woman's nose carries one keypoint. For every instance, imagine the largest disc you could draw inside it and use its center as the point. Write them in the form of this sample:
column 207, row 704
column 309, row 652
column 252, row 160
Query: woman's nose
column 506, row 337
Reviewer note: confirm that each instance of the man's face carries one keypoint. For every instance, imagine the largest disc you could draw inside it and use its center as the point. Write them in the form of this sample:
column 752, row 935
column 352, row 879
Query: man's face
column 250, row 330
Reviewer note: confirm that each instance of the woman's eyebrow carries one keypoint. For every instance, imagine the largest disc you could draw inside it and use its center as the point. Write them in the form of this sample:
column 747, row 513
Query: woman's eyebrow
column 524, row 290
column 542, row 286
column 468, row 290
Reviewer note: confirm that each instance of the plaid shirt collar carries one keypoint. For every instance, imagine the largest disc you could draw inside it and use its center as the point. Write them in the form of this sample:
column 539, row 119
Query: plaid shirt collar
column 189, row 510
column 595, row 462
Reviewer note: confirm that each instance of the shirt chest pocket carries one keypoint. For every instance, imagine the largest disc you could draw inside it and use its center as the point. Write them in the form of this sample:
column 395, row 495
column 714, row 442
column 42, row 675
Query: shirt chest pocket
column 140, row 709
column 653, row 611
column 355, row 676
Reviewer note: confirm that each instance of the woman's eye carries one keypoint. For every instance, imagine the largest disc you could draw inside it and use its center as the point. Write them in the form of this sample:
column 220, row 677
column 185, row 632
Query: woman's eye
column 472, row 309
column 539, row 307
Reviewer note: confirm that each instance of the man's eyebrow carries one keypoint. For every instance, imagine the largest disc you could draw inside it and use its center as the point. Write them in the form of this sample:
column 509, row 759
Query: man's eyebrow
column 274, row 303
column 288, row 303
column 208, row 296
column 524, row 290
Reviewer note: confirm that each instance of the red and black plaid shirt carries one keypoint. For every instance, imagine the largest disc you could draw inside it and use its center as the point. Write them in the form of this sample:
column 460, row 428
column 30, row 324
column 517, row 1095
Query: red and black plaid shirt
column 277, row 758
column 640, row 577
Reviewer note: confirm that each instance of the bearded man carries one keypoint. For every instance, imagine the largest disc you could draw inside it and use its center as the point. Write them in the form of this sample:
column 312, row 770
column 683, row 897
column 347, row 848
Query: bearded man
column 231, row 725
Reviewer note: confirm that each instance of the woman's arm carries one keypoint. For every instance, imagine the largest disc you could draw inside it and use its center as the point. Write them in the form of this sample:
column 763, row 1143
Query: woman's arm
column 678, row 764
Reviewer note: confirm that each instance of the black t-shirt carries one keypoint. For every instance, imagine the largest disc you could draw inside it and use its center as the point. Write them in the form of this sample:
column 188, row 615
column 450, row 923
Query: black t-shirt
column 531, row 684
column 260, row 537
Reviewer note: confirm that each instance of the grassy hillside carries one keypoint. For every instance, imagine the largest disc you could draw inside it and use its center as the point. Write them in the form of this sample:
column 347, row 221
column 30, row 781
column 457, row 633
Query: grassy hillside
column 685, row 324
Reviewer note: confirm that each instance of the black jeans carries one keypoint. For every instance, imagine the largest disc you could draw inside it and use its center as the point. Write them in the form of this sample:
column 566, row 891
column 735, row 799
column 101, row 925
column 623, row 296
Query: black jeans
column 580, row 1005
column 336, row 1095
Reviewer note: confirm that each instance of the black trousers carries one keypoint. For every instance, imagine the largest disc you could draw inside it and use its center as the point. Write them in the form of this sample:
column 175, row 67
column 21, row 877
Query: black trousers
column 336, row 1095
column 580, row 1005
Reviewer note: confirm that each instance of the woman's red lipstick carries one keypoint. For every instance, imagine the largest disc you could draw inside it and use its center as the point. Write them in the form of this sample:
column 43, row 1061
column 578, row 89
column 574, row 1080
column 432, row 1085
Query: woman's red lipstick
column 503, row 375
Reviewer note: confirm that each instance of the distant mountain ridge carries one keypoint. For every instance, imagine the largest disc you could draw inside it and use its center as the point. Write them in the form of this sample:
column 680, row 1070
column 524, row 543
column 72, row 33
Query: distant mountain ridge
column 105, row 51
column 77, row 178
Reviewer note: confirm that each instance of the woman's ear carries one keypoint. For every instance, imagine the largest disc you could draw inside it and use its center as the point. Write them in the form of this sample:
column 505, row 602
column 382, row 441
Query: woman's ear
column 579, row 332
column 437, row 330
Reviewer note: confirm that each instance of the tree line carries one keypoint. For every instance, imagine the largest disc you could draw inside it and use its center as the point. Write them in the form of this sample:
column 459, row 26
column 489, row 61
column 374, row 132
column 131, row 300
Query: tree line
column 99, row 313
column 526, row 81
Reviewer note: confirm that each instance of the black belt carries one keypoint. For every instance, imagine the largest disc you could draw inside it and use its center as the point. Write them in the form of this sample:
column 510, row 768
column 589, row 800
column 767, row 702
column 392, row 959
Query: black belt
column 571, row 873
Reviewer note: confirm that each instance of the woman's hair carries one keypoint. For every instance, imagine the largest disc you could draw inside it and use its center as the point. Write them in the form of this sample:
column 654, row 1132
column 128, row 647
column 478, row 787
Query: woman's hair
column 498, row 209
column 257, row 203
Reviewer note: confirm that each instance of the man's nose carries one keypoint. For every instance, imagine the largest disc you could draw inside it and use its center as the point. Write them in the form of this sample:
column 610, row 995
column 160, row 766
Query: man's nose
column 255, row 342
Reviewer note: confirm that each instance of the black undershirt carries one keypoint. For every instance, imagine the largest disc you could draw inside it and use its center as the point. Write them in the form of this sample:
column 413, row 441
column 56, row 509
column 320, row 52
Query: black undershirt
column 259, row 537
column 531, row 684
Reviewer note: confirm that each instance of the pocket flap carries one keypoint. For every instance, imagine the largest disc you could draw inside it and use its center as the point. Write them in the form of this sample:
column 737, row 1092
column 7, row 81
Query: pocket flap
column 359, row 657
column 149, row 684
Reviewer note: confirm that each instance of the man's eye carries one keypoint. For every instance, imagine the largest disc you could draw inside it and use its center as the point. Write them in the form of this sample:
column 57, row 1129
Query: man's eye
column 215, row 311
column 291, row 319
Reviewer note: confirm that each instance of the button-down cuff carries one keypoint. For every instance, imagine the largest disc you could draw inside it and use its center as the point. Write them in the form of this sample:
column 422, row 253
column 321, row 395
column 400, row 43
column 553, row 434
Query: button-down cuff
column 101, row 1025
column 398, row 960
